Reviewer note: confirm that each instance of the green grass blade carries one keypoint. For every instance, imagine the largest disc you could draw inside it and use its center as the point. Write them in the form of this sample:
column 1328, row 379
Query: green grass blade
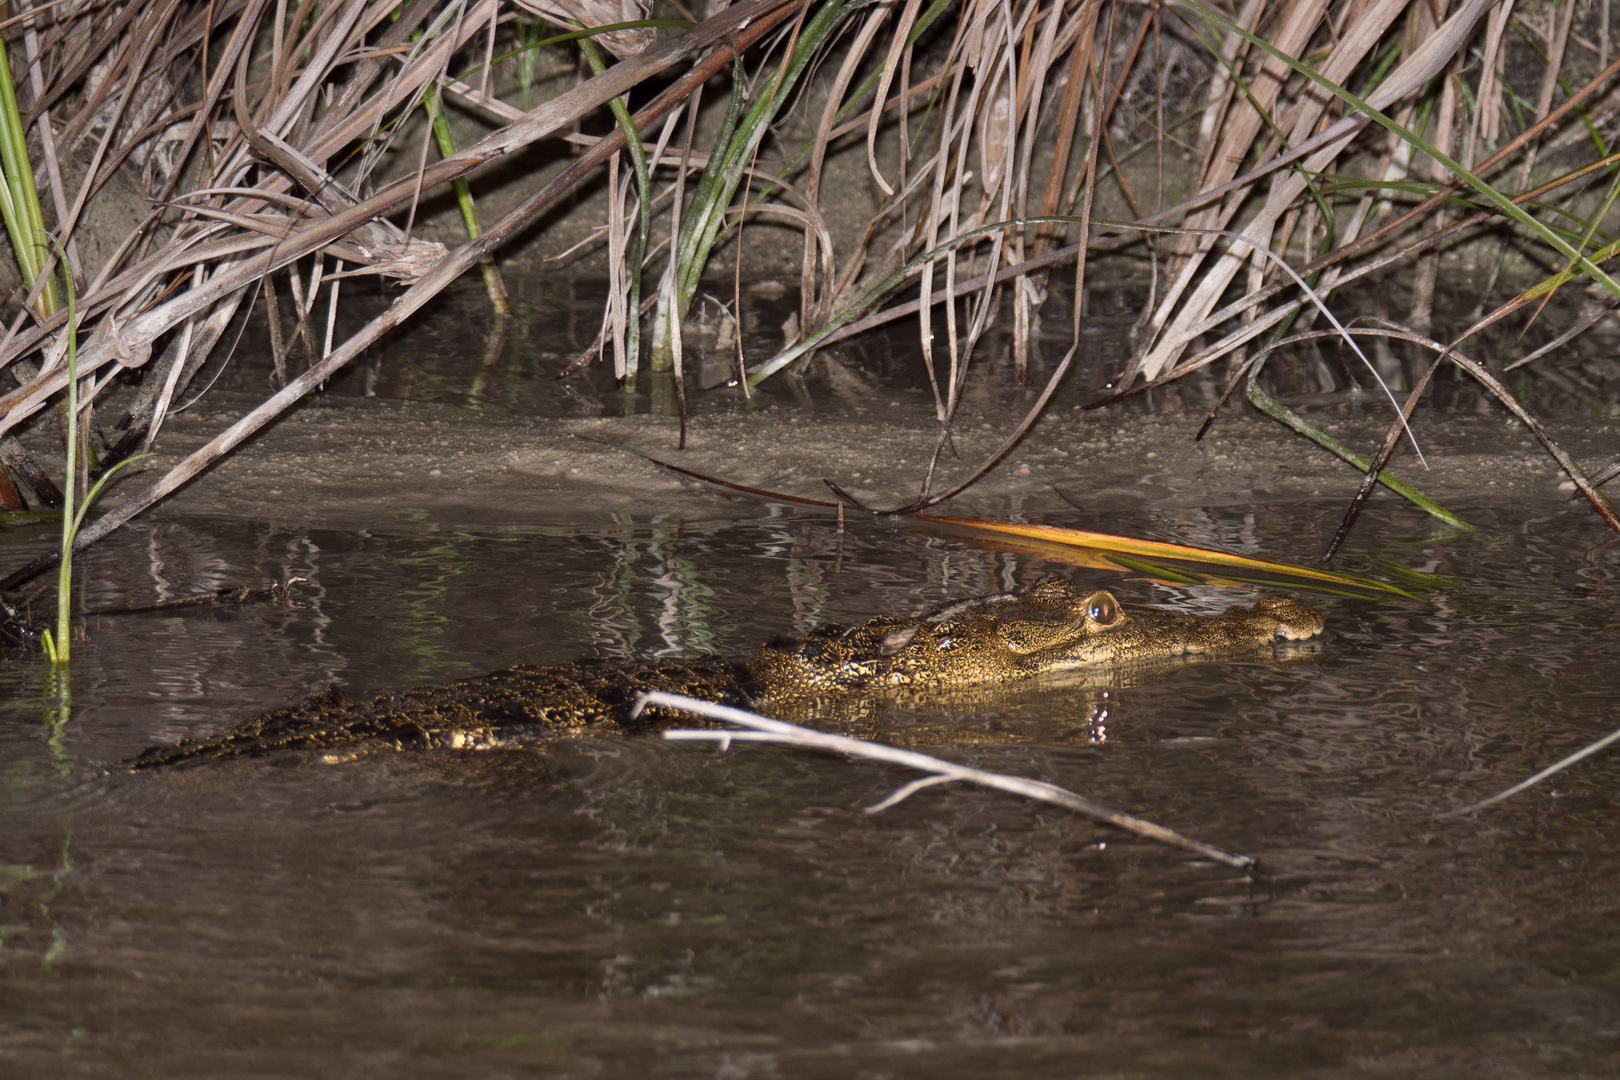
column 1153, row 570
column 70, row 476
column 1275, row 409
column 1415, row 578
column 25, row 221
column 703, row 225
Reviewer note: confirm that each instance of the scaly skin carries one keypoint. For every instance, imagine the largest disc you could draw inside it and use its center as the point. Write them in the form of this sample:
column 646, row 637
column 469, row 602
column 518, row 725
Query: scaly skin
column 1050, row 627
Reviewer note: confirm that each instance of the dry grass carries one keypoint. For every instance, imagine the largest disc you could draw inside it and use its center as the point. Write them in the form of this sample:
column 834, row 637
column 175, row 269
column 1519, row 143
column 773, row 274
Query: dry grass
column 262, row 134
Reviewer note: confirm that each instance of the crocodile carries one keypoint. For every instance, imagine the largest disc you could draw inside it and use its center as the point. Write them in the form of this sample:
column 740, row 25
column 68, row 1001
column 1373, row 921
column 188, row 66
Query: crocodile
column 1048, row 628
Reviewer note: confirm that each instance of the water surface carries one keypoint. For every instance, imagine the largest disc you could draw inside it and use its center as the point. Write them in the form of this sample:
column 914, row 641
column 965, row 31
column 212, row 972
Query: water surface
column 629, row 907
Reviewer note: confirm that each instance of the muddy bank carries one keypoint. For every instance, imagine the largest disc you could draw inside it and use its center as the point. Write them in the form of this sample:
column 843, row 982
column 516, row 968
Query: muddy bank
column 438, row 426
column 372, row 462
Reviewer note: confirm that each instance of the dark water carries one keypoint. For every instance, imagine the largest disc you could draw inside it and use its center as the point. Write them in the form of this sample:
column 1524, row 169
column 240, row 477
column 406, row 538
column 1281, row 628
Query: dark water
column 629, row 907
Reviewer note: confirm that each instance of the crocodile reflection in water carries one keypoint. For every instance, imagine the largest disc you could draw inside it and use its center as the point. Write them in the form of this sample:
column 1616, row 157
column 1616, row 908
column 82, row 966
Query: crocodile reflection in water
column 1049, row 627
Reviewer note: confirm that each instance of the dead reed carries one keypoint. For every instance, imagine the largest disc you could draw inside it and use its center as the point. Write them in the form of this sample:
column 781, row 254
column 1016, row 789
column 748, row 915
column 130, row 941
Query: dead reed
column 1269, row 154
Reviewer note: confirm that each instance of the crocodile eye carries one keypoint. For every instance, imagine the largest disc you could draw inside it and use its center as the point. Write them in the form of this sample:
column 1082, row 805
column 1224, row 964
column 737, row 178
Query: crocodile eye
column 1103, row 609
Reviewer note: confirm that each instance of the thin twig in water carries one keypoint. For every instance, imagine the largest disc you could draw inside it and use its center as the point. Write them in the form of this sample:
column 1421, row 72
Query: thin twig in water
column 765, row 729
column 240, row 596
column 1585, row 752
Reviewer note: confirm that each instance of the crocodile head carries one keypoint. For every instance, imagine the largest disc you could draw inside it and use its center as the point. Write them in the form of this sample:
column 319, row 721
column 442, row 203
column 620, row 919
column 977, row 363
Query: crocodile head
column 1048, row 627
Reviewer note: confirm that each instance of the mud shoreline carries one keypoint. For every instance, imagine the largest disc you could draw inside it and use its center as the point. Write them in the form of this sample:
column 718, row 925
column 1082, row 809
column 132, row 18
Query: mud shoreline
column 371, row 462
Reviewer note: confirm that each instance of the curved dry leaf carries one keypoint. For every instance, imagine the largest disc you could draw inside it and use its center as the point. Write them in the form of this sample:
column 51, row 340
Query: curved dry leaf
column 573, row 14
column 127, row 355
column 995, row 134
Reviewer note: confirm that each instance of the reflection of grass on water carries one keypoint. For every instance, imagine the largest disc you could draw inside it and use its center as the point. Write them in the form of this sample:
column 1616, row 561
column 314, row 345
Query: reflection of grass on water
column 540, row 1040
column 53, row 701
column 15, row 874
column 684, row 619
column 58, row 711
column 58, row 946
column 23, row 771
column 420, row 633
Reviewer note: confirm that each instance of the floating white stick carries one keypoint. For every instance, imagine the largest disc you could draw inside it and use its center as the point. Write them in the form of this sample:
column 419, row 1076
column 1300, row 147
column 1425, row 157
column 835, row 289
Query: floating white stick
column 1585, row 752
column 765, row 729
